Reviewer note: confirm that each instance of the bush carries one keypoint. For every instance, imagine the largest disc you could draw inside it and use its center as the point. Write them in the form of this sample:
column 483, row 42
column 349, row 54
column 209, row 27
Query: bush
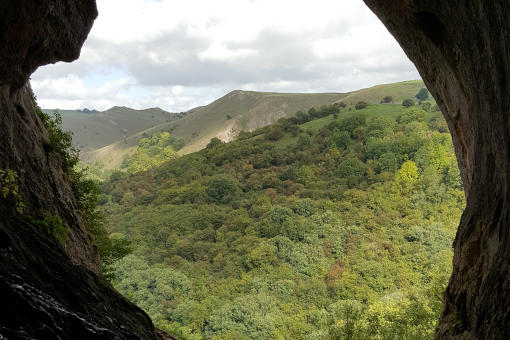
column 427, row 106
column 9, row 189
column 51, row 224
column 351, row 123
column 387, row 99
column 361, row 105
column 213, row 143
column 408, row 102
column 60, row 141
column 275, row 133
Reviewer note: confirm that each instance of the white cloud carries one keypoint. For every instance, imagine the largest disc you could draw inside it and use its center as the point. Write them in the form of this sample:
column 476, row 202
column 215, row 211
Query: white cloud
column 177, row 54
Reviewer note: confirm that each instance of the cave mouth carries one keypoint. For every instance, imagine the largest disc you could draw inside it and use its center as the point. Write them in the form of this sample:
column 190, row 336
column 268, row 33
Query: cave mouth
column 465, row 95
column 426, row 21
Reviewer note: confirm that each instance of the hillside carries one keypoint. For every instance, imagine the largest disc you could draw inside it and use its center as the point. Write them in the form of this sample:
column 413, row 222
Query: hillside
column 94, row 130
column 245, row 111
column 251, row 110
column 242, row 111
column 335, row 225
column 398, row 91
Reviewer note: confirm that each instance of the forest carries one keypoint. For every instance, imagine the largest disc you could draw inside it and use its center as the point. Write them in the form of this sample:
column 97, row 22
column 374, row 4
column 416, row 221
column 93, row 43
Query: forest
column 336, row 223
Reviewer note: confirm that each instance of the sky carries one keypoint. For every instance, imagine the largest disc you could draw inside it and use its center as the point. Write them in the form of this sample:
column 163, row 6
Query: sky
column 177, row 55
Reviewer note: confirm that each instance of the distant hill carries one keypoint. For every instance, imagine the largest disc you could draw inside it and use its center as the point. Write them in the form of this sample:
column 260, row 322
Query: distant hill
column 94, row 129
column 374, row 95
column 224, row 118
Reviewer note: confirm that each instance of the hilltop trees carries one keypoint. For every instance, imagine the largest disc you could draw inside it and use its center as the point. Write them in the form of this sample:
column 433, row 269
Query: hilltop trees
column 159, row 148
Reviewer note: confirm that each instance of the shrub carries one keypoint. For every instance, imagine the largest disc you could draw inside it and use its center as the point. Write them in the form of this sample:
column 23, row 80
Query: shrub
column 412, row 115
column 275, row 133
column 9, row 189
column 213, row 143
column 50, row 224
column 387, row 99
column 351, row 123
column 427, row 106
column 361, row 105
column 60, row 141
column 408, row 102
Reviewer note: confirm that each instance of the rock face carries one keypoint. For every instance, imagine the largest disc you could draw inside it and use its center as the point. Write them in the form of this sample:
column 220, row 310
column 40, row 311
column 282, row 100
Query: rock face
column 462, row 51
column 50, row 290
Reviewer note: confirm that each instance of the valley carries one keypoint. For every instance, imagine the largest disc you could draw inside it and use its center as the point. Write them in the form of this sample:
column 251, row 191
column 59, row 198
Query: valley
column 332, row 223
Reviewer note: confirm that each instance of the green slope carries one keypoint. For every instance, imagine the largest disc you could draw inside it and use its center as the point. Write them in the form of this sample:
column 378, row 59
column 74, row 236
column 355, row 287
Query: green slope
column 247, row 110
column 238, row 111
column 342, row 233
column 251, row 110
column 399, row 92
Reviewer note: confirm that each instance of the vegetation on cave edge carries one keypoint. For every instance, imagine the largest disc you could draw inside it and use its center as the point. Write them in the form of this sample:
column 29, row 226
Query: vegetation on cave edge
column 86, row 191
column 335, row 223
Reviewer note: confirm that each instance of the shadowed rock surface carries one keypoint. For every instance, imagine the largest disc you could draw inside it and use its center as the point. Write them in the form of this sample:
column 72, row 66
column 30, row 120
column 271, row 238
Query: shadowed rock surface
column 462, row 51
column 49, row 290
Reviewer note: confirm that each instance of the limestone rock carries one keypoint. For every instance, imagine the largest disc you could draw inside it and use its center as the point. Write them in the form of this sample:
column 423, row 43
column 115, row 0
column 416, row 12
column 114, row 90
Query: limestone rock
column 461, row 49
column 49, row 290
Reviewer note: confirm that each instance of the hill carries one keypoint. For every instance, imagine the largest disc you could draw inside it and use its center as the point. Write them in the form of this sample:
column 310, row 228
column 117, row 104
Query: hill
column 398, row 91
column 331, row 225
column 245, row 111
column 95, row 129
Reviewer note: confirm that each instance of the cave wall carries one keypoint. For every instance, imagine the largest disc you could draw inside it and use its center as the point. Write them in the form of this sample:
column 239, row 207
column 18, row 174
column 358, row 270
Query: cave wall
column 49, row 290
column 462, row 51
column 35, row 33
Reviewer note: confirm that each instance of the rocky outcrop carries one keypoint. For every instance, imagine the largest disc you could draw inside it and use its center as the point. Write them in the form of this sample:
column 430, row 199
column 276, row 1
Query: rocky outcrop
column 36, row 33
column 43, row 183
column 49, row 290
column 47, row 296
column 461, row 49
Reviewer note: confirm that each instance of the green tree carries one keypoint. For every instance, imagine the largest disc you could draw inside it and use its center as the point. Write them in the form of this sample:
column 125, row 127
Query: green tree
column 407, row 175
column 223, row 188
column 352, row 167
column 423, row 94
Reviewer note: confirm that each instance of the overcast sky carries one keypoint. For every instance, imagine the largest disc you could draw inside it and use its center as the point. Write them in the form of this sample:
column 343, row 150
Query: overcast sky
column 180, row 54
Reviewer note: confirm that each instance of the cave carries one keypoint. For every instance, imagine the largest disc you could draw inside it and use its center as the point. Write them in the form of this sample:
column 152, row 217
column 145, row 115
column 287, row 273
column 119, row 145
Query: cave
column 461, row 51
